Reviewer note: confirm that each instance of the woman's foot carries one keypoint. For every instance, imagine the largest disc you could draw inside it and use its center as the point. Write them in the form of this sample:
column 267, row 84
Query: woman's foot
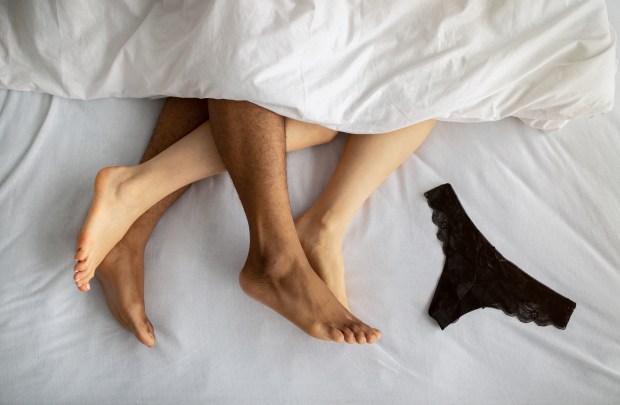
column 323, row 248
column 115, row 207
column 121, row 275
column 288, row 285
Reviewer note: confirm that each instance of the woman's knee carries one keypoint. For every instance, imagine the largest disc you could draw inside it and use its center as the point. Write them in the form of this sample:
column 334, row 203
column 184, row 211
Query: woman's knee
column 307, row 134
column 326, row 134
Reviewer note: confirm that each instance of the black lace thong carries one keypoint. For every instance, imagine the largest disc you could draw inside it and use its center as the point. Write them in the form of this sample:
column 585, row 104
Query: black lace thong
column 475, row 275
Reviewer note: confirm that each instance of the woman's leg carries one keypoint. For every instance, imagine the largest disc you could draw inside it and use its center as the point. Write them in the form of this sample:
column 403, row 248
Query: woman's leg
column 366, row 161
column 122, row 194
column 121, row 273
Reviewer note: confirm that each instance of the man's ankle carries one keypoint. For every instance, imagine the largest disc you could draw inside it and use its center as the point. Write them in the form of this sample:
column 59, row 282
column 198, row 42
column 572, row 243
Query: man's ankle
column 132, row 242
column 275, row 260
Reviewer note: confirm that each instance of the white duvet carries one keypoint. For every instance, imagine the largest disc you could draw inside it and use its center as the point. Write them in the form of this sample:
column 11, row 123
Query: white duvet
column 355, row 66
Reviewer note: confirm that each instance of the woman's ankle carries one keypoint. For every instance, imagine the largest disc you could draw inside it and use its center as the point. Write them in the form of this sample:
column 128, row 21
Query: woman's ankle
column 325, row 225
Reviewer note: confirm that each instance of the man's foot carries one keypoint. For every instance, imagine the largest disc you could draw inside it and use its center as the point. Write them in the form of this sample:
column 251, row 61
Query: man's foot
column 121, row 275
column 289, row 286
column 323, row 248
column 113, row 211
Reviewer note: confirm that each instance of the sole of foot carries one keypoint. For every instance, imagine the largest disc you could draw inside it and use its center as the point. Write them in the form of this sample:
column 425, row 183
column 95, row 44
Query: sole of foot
column 121, row 275
column 111, row 214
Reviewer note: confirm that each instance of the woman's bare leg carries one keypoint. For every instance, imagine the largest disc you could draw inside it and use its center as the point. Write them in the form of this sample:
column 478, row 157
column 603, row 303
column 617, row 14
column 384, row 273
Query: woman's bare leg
column 122, row 194
column 366, row 161
column 121, row 273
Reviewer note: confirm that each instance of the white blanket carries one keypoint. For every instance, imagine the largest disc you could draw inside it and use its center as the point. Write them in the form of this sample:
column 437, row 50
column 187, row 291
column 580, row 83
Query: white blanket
column 355, row 66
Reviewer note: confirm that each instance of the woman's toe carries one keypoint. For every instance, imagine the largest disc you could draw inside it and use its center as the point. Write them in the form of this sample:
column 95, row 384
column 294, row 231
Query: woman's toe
column 80, row 254
column 78, row 276
column 81, row 277
column 80, row 266
column 84, row 287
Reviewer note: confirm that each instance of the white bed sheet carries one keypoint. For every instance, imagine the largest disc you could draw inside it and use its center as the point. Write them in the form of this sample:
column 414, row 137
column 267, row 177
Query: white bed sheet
column 549, row 203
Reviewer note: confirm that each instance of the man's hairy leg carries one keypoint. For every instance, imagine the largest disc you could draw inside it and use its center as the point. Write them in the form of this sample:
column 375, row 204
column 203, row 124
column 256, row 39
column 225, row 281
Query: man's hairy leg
column 122, row 194
column 251, row 142
column 121, row 273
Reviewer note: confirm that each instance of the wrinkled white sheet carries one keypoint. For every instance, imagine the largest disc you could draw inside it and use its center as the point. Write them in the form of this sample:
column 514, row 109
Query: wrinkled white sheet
column 356, row 66
column 549, row 203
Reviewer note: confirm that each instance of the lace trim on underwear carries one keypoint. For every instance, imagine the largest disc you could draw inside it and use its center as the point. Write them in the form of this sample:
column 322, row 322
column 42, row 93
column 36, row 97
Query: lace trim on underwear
column 481, row 275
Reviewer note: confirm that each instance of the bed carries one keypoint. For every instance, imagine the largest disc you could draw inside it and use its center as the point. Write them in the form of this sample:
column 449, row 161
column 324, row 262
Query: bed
column 548, row 202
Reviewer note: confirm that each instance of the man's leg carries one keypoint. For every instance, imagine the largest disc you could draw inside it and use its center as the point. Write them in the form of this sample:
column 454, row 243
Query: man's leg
column 252, row 145
column 191, row 158
column 123, row 194
column 121, row 273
